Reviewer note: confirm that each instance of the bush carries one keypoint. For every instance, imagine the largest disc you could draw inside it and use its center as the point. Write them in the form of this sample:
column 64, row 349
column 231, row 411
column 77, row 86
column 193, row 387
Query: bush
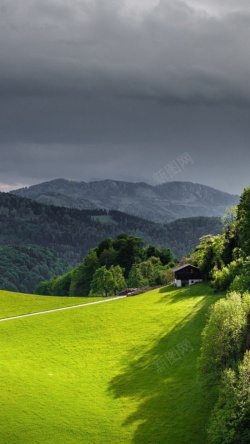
column 226, row 338
column 223, row 336
column 231, row 416
column 241, row 283
column 222, row 279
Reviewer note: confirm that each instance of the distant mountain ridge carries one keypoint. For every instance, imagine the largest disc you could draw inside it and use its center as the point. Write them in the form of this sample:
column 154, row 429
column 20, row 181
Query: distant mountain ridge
column 160, row 203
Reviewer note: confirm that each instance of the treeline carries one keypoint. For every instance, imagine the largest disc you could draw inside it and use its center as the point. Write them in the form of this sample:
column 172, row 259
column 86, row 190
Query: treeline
column 225, row 259
column 225, row 352
column 111, row 267
column 23, row 267
column 225, row 367
column 72, row 233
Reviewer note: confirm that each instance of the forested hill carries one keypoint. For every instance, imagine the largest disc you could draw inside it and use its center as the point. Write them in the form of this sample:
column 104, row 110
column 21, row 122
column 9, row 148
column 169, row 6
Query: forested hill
column 161, row 203
column 72, row 232
column 22, row 267
column 185, row 234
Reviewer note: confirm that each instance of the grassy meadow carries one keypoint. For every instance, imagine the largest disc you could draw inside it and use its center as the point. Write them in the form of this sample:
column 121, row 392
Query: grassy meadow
column 15, row 304
column 121, row 372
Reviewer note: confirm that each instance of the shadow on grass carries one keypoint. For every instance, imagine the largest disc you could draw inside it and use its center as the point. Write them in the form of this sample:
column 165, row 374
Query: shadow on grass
column 173, row 407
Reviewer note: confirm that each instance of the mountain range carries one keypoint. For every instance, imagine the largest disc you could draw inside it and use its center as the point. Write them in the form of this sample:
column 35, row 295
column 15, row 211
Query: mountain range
column 161, row 203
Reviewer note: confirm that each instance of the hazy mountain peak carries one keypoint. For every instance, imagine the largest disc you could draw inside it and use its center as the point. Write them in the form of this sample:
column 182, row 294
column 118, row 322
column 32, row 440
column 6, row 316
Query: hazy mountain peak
column 159, row 203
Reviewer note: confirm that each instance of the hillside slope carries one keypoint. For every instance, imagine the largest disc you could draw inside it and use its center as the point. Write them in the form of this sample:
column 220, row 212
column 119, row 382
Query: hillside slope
column 161, row 203
column 23, row 267
column 123, row 372
column 71, row 232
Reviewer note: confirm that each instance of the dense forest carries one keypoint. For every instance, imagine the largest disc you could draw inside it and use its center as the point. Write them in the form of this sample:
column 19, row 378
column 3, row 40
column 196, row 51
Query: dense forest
column 23, row 267
column 71, row 232
column 185, row 234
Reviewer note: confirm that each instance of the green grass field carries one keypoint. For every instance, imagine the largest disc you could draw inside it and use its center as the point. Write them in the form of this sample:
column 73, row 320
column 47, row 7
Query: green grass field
column 14, row 304
column 119, row 372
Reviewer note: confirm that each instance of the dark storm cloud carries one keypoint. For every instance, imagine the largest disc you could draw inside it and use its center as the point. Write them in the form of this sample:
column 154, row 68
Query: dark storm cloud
column 94, row 89
column 172, row 51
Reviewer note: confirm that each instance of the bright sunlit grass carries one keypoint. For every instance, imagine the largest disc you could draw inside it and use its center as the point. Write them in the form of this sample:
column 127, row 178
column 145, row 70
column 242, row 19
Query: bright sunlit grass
column 14, row 304
column 91, row 375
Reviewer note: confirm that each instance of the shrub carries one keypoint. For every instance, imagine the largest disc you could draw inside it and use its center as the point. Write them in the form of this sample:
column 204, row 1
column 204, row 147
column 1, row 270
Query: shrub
column 223, row 336
column 222, row 279
column 231, row 416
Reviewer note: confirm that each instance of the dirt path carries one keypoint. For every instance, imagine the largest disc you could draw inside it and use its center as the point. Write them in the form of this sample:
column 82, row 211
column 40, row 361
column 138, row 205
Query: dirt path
column 54, row 310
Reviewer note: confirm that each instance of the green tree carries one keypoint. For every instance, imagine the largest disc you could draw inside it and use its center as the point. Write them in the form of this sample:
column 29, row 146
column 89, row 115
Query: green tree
column 102, row 282
column 152, row 271
column 223, row 336
column 243, row 221
column 164, row 254
column 61, row 285
column 230, row 419
column 82, row 276
column 45, row 288
column 118, row 279
column 129, row 251
column 222, row 279
column 204, row 255
column 135, row 278
column 107, row 282
column 105, row 244
column 229, row 218
column 108, row 257
column 241, row 282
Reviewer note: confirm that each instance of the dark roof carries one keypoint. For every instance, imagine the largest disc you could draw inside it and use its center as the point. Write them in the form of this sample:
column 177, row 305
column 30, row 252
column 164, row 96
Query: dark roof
column 185, row 266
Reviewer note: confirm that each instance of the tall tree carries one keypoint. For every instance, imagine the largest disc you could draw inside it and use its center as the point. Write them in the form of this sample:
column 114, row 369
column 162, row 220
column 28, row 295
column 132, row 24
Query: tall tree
column 102, row 282
column 118, row 278
column 135, row 278
column 243, row 219
column 129, row 251
column 107, row 282
column 82, row 276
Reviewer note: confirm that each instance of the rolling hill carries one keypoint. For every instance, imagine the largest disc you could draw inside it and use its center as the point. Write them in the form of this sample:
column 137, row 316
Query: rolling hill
column 72, row 232
column 162, row 203
column 23, row 267
column 120, row 372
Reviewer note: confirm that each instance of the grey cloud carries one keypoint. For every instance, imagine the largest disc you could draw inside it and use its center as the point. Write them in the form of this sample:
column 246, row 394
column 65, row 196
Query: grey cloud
column 96, row 89
column 173, row 51
column 134, row 143
column 218, row 8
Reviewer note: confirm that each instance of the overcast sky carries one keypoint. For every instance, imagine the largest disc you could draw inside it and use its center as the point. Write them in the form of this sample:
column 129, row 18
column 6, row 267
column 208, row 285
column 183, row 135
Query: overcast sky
column 126, row 89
